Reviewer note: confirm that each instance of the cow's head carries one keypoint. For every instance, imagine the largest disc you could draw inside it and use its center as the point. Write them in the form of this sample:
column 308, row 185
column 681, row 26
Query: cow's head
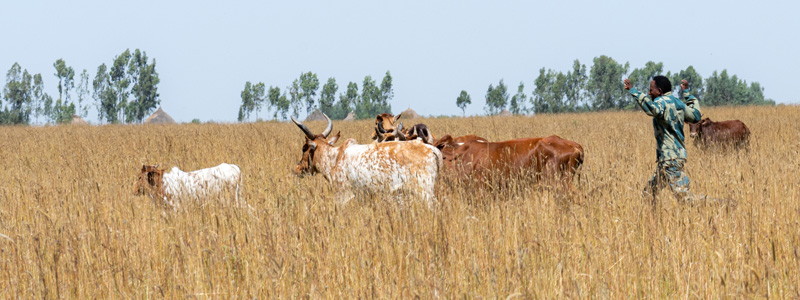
column 397, row 134
column 307, row 164
column 385, row 123
column 419, row 131
column 149, row 181
column 694, row 128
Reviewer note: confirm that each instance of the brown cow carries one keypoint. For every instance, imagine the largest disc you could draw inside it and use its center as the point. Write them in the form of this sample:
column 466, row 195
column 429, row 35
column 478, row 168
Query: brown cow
column 546, row 157
column 725, row 133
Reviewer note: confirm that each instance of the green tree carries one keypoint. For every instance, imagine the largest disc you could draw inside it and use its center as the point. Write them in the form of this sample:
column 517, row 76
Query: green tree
column 327, row 98
column 18, row 95
column 62, row 112
column 517, row 105
column 605, row 84
column 548, row 96
column 144, row 89
column 278, row 101
column 309, row 84
column 640, row 78
column 83, row 94
column 496, row 98
column 385, row 95
column 41, row 105
column 695, row 82
column 63, row 108
column 718, row 90
column 347, row 101
column 462, row 101
column 248, row 102
column 367, row 106
column 105, row 96
column 295, row 97
column 120, row 83
column 575, row 86
column 66, row 79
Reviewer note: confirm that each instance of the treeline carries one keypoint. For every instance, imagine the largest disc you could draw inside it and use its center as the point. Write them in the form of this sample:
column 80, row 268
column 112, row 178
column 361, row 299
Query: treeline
column 304, row 92
column 127, row 91
column 601, row 88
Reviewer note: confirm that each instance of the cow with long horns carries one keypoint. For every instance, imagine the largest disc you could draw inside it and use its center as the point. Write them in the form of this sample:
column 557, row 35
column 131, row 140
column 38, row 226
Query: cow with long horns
column 387, row 129
column 409, row 168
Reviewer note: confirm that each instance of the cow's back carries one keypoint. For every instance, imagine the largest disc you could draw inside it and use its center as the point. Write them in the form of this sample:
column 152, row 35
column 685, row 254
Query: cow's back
column 389, row 165
column 733, row 132
column 555, row 155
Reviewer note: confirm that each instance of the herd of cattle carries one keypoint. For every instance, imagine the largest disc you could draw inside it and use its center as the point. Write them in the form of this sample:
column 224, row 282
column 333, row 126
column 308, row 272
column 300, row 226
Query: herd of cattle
column 408, row 161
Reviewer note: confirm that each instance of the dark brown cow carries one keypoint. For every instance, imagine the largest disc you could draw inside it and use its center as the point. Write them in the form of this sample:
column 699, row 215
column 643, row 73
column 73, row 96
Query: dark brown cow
column 725, row 133
column 419, row 131
column 547, row 157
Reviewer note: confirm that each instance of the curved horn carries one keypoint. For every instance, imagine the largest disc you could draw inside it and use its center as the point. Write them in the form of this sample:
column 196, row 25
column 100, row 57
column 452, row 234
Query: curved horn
column 303, row 128
column 398, row 132
column 428, row 136
column 380, row 128
column 328, row 129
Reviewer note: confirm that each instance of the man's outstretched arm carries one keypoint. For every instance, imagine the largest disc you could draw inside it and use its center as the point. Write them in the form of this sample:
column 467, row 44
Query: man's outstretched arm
column 693, row 113
column 644, row 101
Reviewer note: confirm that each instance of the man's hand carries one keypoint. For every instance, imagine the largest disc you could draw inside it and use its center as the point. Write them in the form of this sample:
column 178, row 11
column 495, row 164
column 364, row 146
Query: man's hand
column 629, row 85
column 684, row 84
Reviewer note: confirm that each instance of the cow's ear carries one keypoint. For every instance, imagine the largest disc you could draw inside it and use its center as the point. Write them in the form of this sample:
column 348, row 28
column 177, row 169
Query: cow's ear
column 144, row 168
column 398, row 117
column 334, row 138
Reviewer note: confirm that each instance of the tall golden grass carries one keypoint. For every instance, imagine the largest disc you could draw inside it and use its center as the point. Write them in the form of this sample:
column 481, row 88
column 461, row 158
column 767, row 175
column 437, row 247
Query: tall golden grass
column 71, row 227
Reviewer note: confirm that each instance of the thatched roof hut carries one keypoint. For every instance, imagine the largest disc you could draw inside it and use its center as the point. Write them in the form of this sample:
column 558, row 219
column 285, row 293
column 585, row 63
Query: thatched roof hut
column 316, row 115
column 505, row 113
column 350, row 116
column 410, row 114
column 159, row 117
column 77, row 120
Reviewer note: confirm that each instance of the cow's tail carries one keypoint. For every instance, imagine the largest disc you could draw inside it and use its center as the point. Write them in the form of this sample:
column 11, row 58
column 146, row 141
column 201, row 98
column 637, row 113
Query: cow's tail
column 439, row 159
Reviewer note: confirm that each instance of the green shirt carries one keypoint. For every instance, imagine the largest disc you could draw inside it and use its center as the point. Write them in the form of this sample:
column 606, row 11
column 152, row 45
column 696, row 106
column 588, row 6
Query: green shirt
column 668, row 116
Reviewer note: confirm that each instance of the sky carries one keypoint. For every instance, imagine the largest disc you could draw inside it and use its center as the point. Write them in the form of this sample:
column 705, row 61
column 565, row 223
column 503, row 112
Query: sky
column 205, row 51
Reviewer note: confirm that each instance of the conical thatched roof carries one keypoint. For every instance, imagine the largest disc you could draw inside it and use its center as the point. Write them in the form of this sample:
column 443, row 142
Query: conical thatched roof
column 505, row 113
column 316, row 115
column 350, row 116
column 159, row 117
column 410, row 114
column 77, row 120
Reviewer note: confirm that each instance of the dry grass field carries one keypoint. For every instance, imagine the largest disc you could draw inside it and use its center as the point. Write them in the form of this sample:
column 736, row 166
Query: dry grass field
column 70, row 226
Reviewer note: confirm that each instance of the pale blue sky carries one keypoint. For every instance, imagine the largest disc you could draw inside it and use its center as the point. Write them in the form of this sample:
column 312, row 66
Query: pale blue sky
column 207, row 50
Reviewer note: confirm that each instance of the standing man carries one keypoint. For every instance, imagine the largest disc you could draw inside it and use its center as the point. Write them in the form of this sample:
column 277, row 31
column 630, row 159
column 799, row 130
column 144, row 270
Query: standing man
column 668, row 114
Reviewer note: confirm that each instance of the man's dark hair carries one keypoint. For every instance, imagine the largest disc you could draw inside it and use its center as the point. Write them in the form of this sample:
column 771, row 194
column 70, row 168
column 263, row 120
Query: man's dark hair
column 663, row 83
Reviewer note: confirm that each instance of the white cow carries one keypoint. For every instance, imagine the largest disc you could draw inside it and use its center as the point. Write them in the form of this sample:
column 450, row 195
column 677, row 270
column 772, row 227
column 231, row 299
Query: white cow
column 392, row 167
column 178, row 184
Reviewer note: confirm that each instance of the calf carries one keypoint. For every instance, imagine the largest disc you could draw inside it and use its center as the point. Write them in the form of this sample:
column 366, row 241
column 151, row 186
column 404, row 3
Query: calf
column 179, row 184
column 405, row 167
column 726, row 133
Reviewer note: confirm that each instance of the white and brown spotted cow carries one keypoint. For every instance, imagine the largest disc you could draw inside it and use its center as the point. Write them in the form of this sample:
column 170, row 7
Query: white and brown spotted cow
column 408, row 168
column 178, row 184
